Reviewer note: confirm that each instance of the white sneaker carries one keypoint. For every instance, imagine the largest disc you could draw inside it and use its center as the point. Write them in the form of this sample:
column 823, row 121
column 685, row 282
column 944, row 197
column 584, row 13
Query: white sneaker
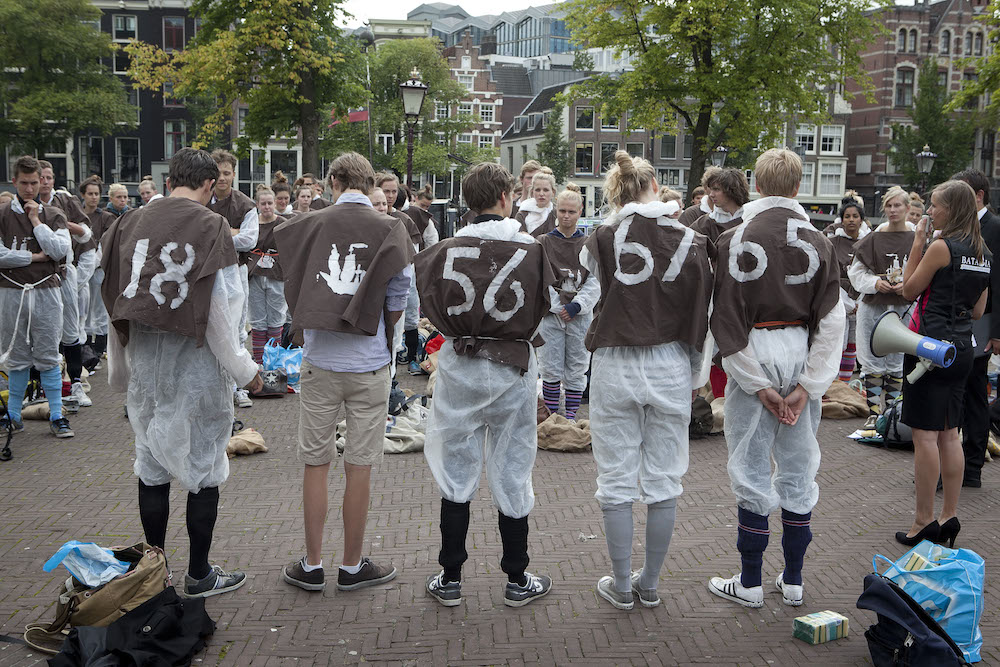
column 77, row 392
column 732, row 589
column 791, row 593
column 241, row 397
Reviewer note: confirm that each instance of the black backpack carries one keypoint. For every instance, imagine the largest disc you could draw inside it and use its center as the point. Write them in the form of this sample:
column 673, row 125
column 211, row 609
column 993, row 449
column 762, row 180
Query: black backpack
column 905, row 635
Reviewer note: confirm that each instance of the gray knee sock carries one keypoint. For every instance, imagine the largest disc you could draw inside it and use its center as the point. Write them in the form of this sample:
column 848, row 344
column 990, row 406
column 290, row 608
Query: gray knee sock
column 618, row 529
column 659, row 529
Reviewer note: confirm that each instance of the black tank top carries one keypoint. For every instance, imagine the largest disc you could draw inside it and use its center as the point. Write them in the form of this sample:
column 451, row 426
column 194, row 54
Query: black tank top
column 953, row 292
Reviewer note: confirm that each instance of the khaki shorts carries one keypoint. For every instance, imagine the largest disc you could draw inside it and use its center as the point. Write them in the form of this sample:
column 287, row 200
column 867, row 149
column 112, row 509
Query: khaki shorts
column 365, row 396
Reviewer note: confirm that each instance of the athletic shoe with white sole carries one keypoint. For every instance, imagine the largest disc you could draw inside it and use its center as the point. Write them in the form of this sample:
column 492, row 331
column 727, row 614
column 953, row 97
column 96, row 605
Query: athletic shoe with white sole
column 535, row 586
column 606, row 589
column 241, row 397
column 733, row 590
column 448, row 593
column 217, row 582
column 791, row 594
column 648, row 597
column 80, row 395
column 296, row 575
column 60, row 428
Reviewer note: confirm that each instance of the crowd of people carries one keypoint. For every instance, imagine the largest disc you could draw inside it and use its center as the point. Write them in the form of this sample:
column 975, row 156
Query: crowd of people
column 742, row 294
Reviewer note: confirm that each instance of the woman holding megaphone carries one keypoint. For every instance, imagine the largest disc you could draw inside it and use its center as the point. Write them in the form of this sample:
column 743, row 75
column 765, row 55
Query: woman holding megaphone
column 950, row 278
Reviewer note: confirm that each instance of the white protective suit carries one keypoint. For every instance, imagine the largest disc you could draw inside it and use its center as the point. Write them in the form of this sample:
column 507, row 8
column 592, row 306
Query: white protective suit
column 84, row 273
column 180, row 401
column 640, row 404
column 31, row 320
column 535, row 215
column 780, row 359
column 564, row 356
column 244, row 241
column 267, row 302
column 480, row 405
column 72, row 334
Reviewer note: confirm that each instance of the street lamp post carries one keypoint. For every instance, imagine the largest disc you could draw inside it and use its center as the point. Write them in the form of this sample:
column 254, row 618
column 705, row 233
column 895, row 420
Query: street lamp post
column 925, row 164
column 413, row 91
column 718, row 156
column 367, row 39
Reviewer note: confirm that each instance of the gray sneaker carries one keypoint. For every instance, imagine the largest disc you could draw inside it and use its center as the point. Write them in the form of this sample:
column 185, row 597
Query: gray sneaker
column 648, row 597
column 15, row 426
column 296, row 575
column 60, row 428
column 370, row 574
column 606, row 589
column 217, row 582
column 535, row 586
column 447, row 593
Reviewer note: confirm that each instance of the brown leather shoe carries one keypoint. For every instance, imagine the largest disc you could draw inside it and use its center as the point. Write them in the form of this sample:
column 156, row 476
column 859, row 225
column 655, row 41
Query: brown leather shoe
column 370, row 574
column 296, row 575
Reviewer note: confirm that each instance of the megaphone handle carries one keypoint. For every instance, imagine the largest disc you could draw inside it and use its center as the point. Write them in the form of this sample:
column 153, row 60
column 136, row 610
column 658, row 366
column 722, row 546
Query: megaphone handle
column 923, row 365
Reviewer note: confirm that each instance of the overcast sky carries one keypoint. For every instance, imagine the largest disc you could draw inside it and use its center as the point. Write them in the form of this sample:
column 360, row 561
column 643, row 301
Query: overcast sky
column 365, row 10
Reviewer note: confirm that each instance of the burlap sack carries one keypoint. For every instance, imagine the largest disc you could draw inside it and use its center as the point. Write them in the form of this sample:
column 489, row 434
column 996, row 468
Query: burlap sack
column 558, row 434
column 39, row 411
column 719, row 415
column 247, row 441
column 842, row 402
column 431, row 381
column 430, row 364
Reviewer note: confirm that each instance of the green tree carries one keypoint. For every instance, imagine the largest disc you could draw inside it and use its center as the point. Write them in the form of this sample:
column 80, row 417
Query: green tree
column 986, row 80
column 950, row 135
column 288, row 60
column 53, row 80
column 750, row 66
column 553, row 149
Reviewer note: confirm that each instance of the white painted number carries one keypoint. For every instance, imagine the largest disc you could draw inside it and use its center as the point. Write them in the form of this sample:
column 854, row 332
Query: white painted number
column 739, row 247
column 623, row 247
column 173, row 272
column 490, row 298
column 810, row 251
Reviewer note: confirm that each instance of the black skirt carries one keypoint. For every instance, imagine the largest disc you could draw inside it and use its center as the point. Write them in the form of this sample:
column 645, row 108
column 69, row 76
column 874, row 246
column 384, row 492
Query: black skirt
column 936, row 402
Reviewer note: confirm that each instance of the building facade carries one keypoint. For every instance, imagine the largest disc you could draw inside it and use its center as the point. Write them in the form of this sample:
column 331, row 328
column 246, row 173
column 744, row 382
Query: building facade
column 948, row 30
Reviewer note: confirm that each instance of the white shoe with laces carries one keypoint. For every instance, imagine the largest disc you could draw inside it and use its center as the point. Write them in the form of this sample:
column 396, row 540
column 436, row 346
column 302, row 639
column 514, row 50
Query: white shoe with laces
column 241, row 397
column 732, row 589
column 791, row 594
column 77, row 392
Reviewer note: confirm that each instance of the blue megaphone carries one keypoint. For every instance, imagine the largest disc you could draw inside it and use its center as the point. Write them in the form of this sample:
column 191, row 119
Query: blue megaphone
column 890, row 336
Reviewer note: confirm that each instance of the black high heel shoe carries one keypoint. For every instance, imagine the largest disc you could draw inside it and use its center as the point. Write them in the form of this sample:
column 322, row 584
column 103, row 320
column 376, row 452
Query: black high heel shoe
column 949, row 531
column 929, row 532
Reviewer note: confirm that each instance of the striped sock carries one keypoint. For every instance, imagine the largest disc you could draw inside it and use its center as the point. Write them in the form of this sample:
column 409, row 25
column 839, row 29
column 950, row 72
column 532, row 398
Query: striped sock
column 259, row 340
column 873, row 391
column 847, row 362
column 751, row 539
column 275, row 333
column 795, row 538
column 573, row 400
column 550, row 394
column 893, row 387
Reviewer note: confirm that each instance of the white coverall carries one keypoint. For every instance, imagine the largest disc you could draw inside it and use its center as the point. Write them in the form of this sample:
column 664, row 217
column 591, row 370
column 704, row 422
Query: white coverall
column 483, row 405
column 179, row 397
column 72, row 334
column 84, row 273
column 640, row 403
column 564, row 356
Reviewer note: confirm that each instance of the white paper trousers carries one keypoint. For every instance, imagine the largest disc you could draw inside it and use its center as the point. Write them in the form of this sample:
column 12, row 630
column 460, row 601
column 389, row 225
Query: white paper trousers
column 97, row 315
column 39, row 347
column 564, row 356
column 640, row 408
column 891, row 364
column 71, row 332
column 411, row 316
column 267, row 303
column 483, row 410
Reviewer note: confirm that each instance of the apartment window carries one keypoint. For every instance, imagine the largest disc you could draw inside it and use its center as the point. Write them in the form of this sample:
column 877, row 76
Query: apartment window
column 805, row 138
column 486, row 141
column 169, row 100
column 510, row 158
column 585, row 119
column 968, row 43
column 831, row 179
column 635, row 149
column 91, row 156
column 608, row 155
column 901, row 40
column 670, row 177
column 831, row 140
column 173, row 33
column 465, row 109
column 467, row 81
column 524, row 153
column 968, row 78
column 978, row 41
column 668, row 147
column 863, row 164
column 913, row 41
column 133, row 99
column 123, row 27
column 584, row 158
column 241, row 121
column 127, row 159
column 441, row 141
column 808, row 174
column 287, row 162
column 122, row 62
column 943, row 78
column 174, row 137
column 945, row 47
column 904, row 87
column 466, row 62
column 487, row 113
column 387, row 141
column 610, row 122
column 688, row 146
column 465, row 138
column 440, row 111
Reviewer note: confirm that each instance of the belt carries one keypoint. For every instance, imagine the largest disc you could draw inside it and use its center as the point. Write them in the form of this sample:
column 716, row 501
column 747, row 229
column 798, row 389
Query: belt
column 779, row 324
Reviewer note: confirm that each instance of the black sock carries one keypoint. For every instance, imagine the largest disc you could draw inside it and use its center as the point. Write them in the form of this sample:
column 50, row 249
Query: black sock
column 412, row 340
column 454, row 528
column 74, row 361
column 514, row 535
column 100, row 344
column 202, row 510
column 154, row 510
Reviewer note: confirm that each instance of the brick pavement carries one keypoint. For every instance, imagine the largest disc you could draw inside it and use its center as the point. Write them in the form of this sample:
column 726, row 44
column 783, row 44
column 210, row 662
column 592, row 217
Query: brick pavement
column 84, row 489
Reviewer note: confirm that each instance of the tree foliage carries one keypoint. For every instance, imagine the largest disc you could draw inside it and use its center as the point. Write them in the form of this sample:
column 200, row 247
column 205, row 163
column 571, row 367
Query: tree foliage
column 950, row 135
column 749, row 66
column 288, row 60
column 553, row 149
column 987, row 79
column 54, row 80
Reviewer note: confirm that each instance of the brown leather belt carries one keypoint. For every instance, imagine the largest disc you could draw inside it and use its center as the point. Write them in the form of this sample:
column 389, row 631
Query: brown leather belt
column 779, row 324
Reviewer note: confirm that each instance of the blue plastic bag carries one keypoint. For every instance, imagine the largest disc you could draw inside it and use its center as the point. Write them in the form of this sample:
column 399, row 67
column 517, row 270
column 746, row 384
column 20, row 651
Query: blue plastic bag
column 89, row 563
column 950, row 588
column 288, row 359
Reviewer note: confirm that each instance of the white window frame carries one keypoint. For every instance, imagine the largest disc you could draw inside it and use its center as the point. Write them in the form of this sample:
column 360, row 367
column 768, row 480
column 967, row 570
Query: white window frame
column 465, row 108
column 806, row 131
column 486, row 141
column 806, row 188
column 839, row 190
column 167, row 153
column 467, row 81
column 163, row 30
column 614, row 128
column 114, row 62
column 114, row 28
column 640, row 144
column 466, row 62
column 487, row 113
column 576, row 117
column 836, row 134
column 464, row 138
column 118, row 161
column 441, row 111
column 83, row 146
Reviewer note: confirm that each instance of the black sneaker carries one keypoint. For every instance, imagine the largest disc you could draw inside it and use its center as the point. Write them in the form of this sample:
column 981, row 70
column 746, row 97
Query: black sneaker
column 447, row 593
column 14, row 426
column 60, row 428
column 296, row 575
column 370, row 574
column 535, row 586
column 217, row 582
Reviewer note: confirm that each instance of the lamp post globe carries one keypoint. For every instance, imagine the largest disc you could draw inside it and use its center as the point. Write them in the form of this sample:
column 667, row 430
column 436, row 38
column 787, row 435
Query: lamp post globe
column 925, row 164
column 718, row 156
column 413, row 92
